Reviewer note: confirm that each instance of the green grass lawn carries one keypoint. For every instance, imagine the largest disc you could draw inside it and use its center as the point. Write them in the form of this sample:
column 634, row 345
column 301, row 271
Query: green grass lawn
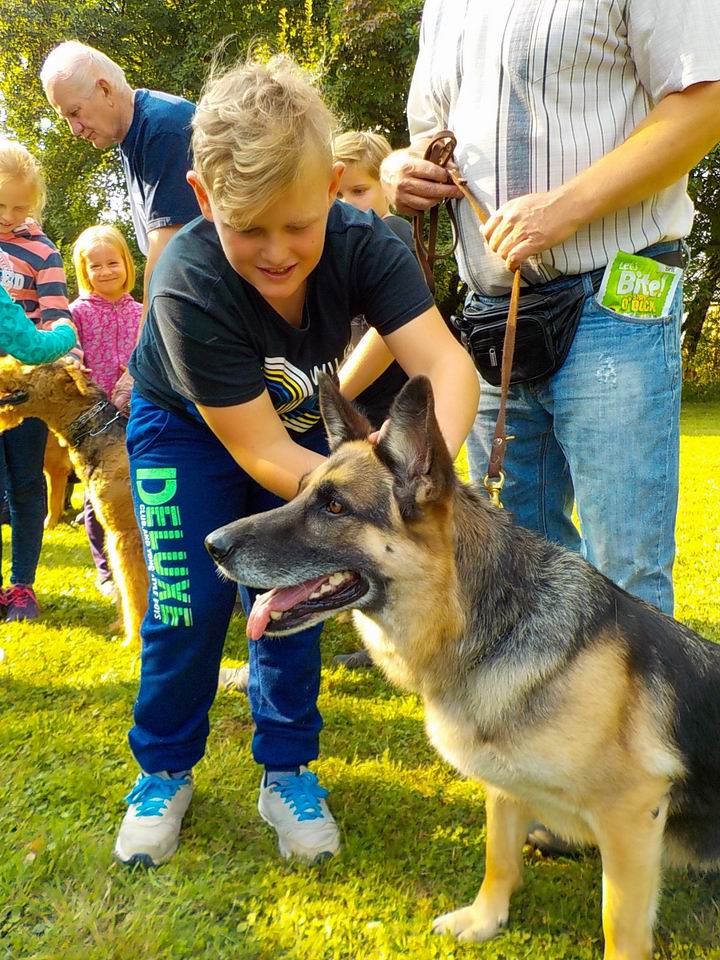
column 413, row 831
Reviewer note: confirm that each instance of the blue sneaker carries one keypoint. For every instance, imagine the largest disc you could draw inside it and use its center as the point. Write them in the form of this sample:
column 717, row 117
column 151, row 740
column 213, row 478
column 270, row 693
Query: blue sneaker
column 150, row 829
column 294, row 805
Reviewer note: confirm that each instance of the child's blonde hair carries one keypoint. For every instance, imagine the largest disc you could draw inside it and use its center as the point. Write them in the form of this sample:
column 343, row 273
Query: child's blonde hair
column 17, row 163
column 364, row 148
column 254, row 126
column 102, row 233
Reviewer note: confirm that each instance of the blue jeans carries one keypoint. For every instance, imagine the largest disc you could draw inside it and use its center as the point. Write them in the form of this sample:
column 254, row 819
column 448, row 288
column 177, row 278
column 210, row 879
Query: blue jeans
column 185, row 484
column 22, row 451
column 602, row 432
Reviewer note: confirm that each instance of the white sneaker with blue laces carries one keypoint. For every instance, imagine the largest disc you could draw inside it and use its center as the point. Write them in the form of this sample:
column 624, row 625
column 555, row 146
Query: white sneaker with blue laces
column 294, row 805
column 151, row 827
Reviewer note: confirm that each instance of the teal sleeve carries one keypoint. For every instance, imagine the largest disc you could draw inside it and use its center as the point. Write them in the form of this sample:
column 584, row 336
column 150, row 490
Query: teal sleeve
column 21, row 339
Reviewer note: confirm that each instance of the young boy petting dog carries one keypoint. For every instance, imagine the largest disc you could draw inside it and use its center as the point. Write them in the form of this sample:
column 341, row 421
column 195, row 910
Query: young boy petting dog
column 567, row 697
column 248, row 306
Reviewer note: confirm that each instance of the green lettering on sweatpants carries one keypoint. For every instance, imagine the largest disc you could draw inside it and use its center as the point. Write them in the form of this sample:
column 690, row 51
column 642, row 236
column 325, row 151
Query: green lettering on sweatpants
column 158, row 516
column 167, row 492
column 171, row 616
column 160, row 559
column 157, row 535
column 174, row 591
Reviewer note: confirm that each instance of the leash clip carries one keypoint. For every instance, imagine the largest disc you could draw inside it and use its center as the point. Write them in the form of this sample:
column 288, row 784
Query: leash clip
column 494, row 487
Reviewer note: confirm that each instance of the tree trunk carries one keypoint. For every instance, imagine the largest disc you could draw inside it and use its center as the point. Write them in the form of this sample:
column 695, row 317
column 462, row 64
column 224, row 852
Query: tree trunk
column 696, row 314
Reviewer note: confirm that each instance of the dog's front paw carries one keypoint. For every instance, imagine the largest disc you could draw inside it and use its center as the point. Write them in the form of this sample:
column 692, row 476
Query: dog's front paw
column 469, row 923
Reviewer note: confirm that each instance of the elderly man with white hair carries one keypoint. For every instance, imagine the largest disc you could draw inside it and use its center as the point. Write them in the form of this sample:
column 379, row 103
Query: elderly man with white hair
column 150, row 129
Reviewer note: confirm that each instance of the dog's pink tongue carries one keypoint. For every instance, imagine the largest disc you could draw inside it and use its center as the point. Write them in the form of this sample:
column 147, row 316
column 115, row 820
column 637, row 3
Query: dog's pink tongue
column 280, row 598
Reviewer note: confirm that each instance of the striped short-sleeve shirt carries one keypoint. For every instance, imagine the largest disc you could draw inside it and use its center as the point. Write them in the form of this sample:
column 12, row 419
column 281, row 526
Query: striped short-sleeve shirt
column 31, row 270
column 538, row 90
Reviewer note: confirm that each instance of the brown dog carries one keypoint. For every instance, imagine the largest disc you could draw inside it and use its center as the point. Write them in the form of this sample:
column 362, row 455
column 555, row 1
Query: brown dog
column 81, row 416
column 57, row 468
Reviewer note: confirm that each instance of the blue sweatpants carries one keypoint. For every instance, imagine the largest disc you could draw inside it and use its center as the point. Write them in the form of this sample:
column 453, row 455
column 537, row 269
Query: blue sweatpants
column 185, row 484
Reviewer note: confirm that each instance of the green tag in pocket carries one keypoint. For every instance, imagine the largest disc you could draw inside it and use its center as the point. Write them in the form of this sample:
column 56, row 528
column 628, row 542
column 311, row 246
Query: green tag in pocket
column 638, row 286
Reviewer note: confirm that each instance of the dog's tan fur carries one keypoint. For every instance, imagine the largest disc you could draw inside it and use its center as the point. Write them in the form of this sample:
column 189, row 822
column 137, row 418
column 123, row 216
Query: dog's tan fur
column 59, row 394
column 57, row 468
column 572, row 702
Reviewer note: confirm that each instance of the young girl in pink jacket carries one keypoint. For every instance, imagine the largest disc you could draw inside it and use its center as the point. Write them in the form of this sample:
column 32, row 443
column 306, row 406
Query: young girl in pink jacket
column 107, row 319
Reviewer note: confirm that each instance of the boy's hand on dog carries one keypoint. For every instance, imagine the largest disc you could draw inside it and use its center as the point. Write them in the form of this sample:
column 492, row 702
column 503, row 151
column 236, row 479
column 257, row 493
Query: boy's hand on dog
column 377, row 435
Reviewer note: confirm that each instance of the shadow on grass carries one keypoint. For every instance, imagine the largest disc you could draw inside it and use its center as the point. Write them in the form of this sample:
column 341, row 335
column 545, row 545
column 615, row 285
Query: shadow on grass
column 56, row 554
column 700, row 419
column 413, row 824
column 26, row 699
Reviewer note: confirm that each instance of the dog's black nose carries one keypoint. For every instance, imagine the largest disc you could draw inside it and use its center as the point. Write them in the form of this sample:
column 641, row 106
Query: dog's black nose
column 218, row 545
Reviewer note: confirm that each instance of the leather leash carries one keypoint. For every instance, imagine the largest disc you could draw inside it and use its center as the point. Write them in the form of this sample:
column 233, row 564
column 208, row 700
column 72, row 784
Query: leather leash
column 440, row 151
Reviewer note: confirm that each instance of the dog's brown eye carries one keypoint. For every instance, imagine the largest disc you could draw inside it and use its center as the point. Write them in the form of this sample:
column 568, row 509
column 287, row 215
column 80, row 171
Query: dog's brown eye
column 335, row 507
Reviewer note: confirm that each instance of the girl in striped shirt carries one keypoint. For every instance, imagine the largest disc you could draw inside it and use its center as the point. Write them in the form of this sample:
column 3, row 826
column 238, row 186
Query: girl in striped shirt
column 31, row 271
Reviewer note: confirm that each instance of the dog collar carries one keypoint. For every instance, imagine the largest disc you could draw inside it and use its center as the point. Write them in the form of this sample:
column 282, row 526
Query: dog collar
column 75, row 431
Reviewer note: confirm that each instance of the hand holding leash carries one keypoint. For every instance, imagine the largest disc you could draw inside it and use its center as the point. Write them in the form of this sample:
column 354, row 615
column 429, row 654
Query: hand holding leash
column 440, row 152
column 528, row 225
column 414, row 184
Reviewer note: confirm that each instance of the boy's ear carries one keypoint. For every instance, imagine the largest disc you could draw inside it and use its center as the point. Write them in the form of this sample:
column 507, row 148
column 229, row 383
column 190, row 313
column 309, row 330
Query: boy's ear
column 201, row 194
column 338, row 169
column 343, row 421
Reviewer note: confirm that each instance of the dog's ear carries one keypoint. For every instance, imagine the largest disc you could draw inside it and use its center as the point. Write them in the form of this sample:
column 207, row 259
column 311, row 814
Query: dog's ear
column 343, row 421
column 414, row 450
column 80, row 379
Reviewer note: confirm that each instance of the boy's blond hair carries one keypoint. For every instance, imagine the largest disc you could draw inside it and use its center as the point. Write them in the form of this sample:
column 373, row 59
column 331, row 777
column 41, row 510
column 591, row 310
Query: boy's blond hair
column 364, row 148
column 17, row 163
column 255, row 125
column 102, row 233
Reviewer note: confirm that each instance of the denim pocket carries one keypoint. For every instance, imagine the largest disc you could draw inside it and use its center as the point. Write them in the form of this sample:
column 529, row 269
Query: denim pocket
column 638, row 337
column 638, row 321
column 674, row 313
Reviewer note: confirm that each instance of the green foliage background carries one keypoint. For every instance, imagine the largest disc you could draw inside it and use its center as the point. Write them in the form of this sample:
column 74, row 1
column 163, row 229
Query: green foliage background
column 364, row 51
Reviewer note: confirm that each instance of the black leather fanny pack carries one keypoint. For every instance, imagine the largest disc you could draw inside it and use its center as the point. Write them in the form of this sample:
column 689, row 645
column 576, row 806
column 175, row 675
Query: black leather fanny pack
column 547, row 321
column 546, row 325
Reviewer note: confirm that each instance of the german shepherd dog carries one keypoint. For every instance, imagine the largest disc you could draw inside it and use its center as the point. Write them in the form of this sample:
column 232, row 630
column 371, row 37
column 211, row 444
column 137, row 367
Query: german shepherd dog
column 573, row 702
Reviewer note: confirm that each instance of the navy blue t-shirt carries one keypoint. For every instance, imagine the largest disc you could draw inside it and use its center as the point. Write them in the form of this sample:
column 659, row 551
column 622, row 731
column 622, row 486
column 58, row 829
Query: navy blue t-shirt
column 155, row 155
column 375, row 401
column 210, row 338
